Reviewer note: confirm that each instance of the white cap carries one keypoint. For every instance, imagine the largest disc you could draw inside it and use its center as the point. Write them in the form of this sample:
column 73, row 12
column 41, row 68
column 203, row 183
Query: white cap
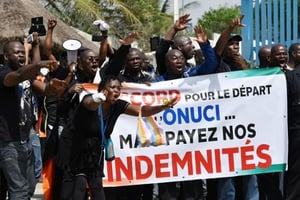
column 103, row 26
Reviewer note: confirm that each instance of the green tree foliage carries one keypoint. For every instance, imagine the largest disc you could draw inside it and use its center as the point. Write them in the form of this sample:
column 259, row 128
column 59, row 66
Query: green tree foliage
column 124, row 16
column 216, row 20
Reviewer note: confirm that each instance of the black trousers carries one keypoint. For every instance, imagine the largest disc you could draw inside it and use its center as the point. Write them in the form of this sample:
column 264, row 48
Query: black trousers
column 292, row 176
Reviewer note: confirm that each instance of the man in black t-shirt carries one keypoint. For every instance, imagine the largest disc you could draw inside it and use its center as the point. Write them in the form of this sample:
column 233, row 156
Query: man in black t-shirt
column 16, row 119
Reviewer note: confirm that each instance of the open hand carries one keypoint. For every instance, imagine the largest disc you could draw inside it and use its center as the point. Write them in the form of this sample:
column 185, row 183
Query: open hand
column 129, row 39
column 181, row 23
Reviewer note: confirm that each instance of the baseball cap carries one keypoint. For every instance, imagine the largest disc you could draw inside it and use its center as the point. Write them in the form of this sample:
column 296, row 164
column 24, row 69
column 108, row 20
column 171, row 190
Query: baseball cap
column 234, row 37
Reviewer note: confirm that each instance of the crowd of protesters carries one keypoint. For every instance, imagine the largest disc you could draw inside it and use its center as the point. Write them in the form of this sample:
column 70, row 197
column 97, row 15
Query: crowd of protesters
column 44, row 96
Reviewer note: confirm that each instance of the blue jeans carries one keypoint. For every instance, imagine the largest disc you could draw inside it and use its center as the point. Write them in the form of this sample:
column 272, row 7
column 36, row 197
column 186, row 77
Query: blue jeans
column 16, row 162
column 36, row 147
column 227, row 191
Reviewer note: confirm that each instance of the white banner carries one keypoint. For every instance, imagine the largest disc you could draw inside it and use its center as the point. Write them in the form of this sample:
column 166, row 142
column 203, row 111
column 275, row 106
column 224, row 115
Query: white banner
column 226, row 124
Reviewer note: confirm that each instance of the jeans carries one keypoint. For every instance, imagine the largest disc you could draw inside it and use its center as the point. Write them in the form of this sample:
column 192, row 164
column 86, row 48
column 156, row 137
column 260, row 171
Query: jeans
column 36, row 147
column 227, row 188
column 16, row 162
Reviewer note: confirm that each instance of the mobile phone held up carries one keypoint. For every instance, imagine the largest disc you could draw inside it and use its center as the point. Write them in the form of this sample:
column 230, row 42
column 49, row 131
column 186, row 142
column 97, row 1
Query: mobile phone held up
column 98, row 38
column 37, row 25
column 30, row 38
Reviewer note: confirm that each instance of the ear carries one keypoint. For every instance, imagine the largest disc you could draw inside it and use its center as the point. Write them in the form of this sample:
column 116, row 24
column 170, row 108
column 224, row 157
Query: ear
column 104, row 91
column 5, row 56
column 179, row 47
column 80, row 66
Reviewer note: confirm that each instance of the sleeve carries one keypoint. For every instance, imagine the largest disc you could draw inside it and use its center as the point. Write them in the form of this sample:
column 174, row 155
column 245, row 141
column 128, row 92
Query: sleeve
column 118, row 109
column 209, row 65
column 160, row 55
column 289, row 85
column 116, row 64
column 3, row 72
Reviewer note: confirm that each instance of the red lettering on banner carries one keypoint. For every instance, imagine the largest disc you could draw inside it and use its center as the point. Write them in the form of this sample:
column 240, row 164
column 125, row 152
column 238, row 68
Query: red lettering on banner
column 218, row 160
column 230, row 153
column 134, row 98
column 159, row 165
column 152, row 97
column 187, row 160
column 147, row 161
column 207, row 162
column 120, row 167
column 245, row 157
column 109, row 171
column 148, row 98
column 264, row 156
column 192, row 162
column 161, row 95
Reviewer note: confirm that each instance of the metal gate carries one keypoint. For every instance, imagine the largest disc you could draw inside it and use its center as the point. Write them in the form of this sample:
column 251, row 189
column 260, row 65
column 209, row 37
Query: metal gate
column 268, row 22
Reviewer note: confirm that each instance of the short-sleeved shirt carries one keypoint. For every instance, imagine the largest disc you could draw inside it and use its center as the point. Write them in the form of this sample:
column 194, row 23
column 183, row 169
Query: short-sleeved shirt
column 16, row 109
column 87, row 138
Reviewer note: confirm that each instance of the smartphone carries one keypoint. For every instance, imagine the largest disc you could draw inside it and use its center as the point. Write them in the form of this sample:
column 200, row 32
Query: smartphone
column 98, row 38
column 30, row 38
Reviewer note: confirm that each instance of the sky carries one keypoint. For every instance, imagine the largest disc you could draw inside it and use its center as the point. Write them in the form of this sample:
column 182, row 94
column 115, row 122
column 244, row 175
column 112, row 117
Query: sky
column 204, row 5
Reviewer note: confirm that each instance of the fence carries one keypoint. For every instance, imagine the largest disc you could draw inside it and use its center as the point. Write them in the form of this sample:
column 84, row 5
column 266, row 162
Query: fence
column 268, row 22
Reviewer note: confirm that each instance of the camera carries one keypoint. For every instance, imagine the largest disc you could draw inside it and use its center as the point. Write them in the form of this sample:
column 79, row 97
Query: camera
column 37, row 26
column 98, row 38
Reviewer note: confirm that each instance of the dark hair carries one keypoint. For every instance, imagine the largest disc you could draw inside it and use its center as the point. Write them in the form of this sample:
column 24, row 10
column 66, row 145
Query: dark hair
column 107, row 79
column 83, row 51
column 6, row 45
column 132, row 49
column 294, row 47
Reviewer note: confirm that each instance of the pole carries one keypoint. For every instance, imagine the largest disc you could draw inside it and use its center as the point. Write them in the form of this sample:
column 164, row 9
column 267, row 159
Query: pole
column 176, row 10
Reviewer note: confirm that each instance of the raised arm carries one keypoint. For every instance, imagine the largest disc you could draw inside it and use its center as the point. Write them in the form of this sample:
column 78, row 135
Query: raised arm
column 93, row 101
column 36, row 54
column 180, row 25
column 52, row 22
column 210, row 63
column 221, row 43
column 165, row 44
column 116, row 64
column 28, row 48
column 105, row 49
column 26, row 72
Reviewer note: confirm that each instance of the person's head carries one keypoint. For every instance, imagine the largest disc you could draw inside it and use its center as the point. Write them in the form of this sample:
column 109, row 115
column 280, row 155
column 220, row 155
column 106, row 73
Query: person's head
column 146, row 65
column 88, row 62
column 279, row 56
column 175, row 62
column 294, row 55
column 185, row 45
column 264, row 56
column 134, row 61
column 232, row 47
column 111, row 84
column 14, row 54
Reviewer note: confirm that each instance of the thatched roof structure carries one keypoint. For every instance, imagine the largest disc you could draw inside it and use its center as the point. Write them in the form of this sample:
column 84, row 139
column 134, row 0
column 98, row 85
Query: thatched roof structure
column 16, row 18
